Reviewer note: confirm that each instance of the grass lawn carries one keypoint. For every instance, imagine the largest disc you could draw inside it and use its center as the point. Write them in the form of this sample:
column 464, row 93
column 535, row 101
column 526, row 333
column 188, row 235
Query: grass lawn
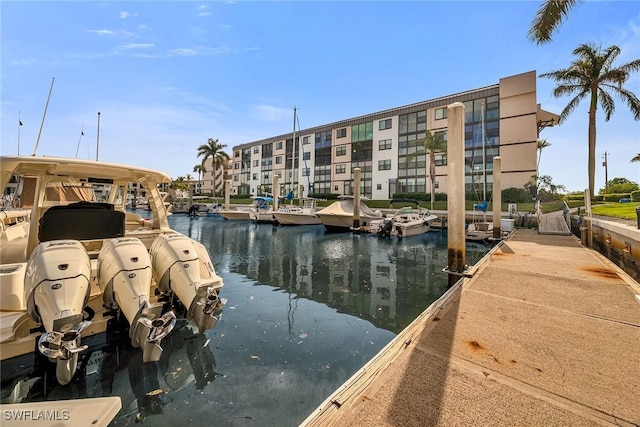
column 618, row 210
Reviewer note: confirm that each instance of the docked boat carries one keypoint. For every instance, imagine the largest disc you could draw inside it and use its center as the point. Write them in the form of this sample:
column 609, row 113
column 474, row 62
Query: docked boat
column 479, row 231
column 405, row 222
column 88, row 261
column 338, row 216
column 262, row 210
column 298, row 215
column 236, row 214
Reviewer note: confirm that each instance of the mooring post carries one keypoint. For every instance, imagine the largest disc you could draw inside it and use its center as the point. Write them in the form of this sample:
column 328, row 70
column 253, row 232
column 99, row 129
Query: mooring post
column 276, row 191
column 227, row 193
column 497, row 197
column 356, row 198
column 455, row 199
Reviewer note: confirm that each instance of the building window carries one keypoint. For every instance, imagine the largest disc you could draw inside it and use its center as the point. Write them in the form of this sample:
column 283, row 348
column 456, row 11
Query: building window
column 305, row 172
column 278, row 160
column 379, row 187
column 236, row 154
column 362, row 132
column 279, row 145
column 256, row 150
column 384, row 144
column 440, row 113
column 384, row 165
column 255, row 176
column 341, row 133
column 341, row 169
column 235, row 177
column 236, row 165
column 305, row 140
column 341, row 150
column 384, row 124
column 306, row 156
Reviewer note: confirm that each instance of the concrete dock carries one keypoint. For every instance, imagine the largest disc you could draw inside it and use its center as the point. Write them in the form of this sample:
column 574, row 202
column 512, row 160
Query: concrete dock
column 545, row 333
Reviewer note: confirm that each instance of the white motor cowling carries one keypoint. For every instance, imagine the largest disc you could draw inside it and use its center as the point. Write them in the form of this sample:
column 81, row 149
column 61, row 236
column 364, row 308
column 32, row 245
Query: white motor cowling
column 183, row 266
column 57, row 288
column 124, row 269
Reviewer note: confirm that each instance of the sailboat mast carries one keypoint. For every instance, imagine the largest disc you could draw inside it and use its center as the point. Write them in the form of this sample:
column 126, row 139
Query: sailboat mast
column 294, row 179
column 44, row 115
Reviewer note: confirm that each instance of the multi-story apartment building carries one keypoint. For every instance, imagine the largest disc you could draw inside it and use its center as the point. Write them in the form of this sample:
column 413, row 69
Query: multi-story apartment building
column 502, row 119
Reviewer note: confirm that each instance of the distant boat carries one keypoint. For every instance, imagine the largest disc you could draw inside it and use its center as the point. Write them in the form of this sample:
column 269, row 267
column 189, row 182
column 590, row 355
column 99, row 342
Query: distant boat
column 298, row 215
column 479, row 231
column 262, row 209
column 239, row 213
column 338, row 216
column 405, row 222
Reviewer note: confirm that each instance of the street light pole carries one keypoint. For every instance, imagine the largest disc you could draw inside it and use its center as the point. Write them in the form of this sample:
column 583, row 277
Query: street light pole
column 604, row 163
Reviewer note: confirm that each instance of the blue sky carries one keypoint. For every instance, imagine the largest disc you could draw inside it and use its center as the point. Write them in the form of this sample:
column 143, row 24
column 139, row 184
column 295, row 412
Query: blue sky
column 165, row 76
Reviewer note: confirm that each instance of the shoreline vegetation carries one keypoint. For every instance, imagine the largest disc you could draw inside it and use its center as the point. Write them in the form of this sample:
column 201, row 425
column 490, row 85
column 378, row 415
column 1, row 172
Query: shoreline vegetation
column 610, row 209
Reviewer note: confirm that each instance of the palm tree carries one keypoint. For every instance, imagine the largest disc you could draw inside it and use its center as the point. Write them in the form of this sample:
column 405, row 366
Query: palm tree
column 214, row 150
column 432, row 143
column 541, row 145
column 592, row 76
column 548, row 18
column 199, row 168
column 636, row 158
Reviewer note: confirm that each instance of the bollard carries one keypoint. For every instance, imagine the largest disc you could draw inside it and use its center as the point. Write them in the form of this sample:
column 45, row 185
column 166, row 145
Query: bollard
column 638, row 216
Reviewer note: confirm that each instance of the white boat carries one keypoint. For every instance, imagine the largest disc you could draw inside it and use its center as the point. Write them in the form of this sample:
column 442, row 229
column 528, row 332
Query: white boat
column 194, row 206
column 479, row 231
column 236, row 214
column 405, row 222
column 87, row 261
column 262, row 210
column 298, row 215
column 14, row 230
column 338, row 216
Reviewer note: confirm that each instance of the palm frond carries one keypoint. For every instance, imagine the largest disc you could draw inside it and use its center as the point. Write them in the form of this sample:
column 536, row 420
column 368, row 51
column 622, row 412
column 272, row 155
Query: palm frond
column 548, row 18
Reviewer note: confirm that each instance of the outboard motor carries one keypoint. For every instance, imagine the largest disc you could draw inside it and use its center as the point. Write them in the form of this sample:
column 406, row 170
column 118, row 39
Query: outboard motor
column 183, row 266
column 385, row 228
column 125, row 275
column 57, row 288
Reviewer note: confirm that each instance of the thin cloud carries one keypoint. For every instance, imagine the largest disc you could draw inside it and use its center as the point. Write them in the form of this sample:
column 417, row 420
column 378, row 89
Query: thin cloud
column 137, row 46
column 25, row 61
column 270, row 113
column 102, row 32
column 124, row 14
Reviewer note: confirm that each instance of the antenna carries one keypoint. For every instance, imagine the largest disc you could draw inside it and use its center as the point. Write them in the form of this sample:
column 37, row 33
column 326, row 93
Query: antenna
column 19, row 126
column 98, row 137
column 43, row 117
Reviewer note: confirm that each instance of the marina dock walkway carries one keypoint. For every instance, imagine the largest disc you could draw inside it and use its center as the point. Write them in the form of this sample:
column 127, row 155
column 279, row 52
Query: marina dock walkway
column 546, row 332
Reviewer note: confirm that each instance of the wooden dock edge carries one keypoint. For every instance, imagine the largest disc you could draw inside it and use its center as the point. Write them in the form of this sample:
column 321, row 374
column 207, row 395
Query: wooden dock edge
column 346, row 395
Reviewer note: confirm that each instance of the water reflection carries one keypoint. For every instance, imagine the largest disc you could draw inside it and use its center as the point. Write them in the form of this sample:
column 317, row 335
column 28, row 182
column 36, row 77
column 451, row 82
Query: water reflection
column 385, row 281
column 305, row 311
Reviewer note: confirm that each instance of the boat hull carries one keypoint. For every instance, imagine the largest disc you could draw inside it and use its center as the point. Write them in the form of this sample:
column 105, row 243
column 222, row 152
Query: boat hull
column 291, row 218
column 235, row 215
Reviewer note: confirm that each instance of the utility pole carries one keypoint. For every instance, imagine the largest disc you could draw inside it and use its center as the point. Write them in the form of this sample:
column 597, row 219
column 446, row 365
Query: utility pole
column 604, row 163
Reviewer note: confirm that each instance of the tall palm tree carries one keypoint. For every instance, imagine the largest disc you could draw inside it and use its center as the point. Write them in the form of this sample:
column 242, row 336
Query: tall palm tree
column 541, row 145
column 432, row 143
column 593, row 76
column 636, row 158
column 548, row 18
column 214, row 150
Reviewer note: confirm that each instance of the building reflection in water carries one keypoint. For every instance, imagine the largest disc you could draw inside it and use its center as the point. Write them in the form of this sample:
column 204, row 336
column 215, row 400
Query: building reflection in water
column 386, row 281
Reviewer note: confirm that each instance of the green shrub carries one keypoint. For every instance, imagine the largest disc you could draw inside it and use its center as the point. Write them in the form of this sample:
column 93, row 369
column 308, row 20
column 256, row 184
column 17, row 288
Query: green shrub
column 615, row 197
column 515, row 195
column 635, row 196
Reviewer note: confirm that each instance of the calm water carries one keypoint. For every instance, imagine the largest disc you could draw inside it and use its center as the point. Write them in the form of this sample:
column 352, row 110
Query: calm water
column 306, row 309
